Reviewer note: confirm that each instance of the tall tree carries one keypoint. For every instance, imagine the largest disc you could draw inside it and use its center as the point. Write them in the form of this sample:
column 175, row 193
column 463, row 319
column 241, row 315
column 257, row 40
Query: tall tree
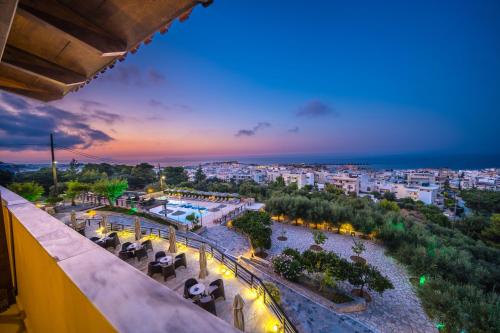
column 74, row 189
column 175, row 175
column 199, row 176
column 112, row 189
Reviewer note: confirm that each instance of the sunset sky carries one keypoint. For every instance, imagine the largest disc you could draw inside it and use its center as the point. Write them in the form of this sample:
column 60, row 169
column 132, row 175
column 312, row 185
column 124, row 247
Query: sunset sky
column 246, row 78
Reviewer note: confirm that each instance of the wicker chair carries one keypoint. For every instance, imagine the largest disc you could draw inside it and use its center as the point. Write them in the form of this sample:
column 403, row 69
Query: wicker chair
column 125, row 255
column 159, row 255
column 188, row 284
column 168, row 271
column 208, row 304
column 113, row 240
column 125, row 246
column 219, row 290
column 141, row 253
column 180, row 260
column 147, row 244
column 154, row 267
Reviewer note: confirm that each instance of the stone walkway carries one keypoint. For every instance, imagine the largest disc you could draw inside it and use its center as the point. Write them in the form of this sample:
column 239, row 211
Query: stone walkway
column 234, row 242
column 397, row 310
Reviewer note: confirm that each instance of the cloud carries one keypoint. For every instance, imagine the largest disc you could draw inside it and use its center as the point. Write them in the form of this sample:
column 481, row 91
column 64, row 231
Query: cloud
column 132, row 75
column 315, row 108
column 253, row 131
column 293, row 130
column 171, row 108
column 156, row 76
column 27, row 126
column 94, row 109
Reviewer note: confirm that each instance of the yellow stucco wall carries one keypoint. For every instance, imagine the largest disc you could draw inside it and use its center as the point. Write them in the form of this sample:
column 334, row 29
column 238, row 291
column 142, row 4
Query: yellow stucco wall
column 52, row 302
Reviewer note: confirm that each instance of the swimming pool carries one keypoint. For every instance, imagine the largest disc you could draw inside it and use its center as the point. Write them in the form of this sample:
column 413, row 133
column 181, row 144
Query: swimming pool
column 178, row 210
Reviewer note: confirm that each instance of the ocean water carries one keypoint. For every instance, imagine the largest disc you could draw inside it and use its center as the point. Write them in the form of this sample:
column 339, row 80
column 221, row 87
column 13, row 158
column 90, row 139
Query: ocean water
column 456, row 161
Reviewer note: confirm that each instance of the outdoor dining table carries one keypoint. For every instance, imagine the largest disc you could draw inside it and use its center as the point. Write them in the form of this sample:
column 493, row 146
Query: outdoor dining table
column 102, row 240
column 197, row 289
column 167, row 260
column 133, row 247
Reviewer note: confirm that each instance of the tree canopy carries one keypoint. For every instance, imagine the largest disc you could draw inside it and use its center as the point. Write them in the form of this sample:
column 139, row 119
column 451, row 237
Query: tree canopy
column 31, row 191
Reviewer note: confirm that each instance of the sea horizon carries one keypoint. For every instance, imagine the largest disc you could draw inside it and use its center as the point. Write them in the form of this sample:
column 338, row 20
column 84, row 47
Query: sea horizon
column 377, row 162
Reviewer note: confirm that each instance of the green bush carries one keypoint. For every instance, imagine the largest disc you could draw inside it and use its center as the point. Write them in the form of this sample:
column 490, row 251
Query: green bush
column 461, row 308
column 274, row 291
column 287, row 266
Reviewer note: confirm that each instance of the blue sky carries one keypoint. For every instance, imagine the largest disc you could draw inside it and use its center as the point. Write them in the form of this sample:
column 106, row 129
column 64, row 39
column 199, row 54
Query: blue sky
column 341, row 77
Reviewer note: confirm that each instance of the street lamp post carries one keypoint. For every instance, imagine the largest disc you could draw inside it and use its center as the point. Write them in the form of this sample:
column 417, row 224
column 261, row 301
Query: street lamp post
column 162, row 178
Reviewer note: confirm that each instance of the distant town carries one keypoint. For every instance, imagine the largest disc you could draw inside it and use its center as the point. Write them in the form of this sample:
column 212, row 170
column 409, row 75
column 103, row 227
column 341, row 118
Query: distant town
column 438, row 187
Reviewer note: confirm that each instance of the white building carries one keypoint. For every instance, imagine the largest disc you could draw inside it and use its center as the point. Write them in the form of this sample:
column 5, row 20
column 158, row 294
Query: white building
column 426, row 194
column 345, row 182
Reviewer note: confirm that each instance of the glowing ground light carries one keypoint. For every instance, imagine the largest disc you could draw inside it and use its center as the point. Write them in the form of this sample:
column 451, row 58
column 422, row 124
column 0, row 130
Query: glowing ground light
column 91, row 213
column 422, row 280
column 439, row 326
column 273, row 326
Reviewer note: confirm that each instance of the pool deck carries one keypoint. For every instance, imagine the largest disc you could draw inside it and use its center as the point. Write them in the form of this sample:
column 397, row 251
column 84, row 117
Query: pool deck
column 209, row 217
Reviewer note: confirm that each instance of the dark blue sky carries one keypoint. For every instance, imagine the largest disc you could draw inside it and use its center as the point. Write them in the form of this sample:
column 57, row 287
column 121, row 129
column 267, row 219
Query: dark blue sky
column 293, row 77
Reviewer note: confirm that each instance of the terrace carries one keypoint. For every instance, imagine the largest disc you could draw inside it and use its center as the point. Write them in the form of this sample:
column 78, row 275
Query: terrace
column 258, row 317
column 62, row 281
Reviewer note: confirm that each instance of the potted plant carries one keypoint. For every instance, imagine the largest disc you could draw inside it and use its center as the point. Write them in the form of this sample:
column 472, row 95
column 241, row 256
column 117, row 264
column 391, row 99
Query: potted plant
column 362, row 276
column 282, row 236
column 358, row 248
column 319, row 239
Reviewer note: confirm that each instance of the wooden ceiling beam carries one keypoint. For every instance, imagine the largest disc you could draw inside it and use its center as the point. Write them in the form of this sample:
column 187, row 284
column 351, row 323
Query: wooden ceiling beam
column 27, row 62
column 98, row 40
column 7, row 13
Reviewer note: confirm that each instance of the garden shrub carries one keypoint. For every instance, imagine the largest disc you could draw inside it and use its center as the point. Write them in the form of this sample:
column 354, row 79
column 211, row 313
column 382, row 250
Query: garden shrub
column 274, row 291
column 287, row 266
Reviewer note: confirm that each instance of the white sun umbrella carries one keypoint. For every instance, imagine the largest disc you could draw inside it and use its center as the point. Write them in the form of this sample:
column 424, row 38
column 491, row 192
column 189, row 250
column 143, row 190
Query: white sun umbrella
column 239, row 319
column 172, row 248
column 137, row 227
column 73, row 219
column 105, row 229
column 203, row 262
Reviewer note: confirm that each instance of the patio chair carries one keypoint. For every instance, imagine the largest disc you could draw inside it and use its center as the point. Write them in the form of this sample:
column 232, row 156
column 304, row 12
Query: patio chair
column 219, row 289
column 125, row 255
column 180, row 260
column 94, row 239
column 154, row 267
column 208, row 304
column 141, row 253
column 188, row 284
column 125, row 246
column 159, row 255
column 147, row 244
column 113, row 240
column 168, row 271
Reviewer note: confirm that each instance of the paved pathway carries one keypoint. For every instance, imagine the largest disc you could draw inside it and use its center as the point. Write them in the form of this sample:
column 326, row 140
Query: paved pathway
column 234, row 242
column 397, row 310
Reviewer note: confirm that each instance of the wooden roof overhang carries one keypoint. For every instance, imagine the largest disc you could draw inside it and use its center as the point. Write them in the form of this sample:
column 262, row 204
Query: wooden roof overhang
column 51, row 47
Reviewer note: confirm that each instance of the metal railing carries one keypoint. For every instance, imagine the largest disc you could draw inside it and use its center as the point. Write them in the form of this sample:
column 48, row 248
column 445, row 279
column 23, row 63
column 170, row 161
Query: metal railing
column 229, row 261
